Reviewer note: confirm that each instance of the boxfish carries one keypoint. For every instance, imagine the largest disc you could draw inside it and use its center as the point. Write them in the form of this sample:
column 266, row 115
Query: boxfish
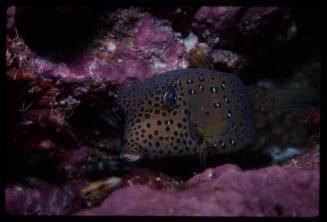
column 195, row 112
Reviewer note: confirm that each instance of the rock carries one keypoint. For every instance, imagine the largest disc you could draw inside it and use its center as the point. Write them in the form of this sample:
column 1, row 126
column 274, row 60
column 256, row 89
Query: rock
column 228, row 60
column 71, row 162
column 153, row 180
column 222, row 191
column 11, row 11
column 211, row 22
column 237, row 27
column 151, row 47
column 236, row 36
column 136, row 46
column 42, row 198
column 309, row 160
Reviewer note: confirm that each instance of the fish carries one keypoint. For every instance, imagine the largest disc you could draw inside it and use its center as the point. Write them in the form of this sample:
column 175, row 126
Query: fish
column 189, row 112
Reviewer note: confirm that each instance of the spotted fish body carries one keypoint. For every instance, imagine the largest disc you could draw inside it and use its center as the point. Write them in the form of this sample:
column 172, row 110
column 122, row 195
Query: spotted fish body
column 180, row 113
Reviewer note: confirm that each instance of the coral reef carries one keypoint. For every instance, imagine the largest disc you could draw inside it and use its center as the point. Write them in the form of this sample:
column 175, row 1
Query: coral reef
column 11, row 11
column 224, row 191
column 219, row 25
column 41, row 198
column 148, row 47
column 310, row 160
column 55, row 133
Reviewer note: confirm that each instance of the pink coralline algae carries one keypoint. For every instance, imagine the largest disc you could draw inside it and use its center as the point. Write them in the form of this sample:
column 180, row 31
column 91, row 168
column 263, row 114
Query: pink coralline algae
column 222, row 191
column 310, row 160
column 226, row 190
column 47, row 100
column 149, row 178
column 11, row 11
column 41, row 198
column 71, row 162
column 152, row 47
column 219, row 18
column 312, row 121
column 235, row 35
column 228, row 59
column 235, row 26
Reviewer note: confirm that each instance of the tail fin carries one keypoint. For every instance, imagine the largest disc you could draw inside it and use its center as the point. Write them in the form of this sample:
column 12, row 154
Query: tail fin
column 264, row 99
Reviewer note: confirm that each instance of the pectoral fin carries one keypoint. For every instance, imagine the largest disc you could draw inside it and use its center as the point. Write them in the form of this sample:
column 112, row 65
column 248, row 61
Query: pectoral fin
column 209, row 134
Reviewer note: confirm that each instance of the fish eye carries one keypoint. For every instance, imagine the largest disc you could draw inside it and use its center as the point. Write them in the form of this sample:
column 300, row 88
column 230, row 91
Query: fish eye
column 170, row 98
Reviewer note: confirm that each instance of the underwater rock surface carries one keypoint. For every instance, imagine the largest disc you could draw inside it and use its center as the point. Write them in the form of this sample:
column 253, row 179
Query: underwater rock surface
column 11, row 11
column 146, row 47
column 44, row 94
column 310, row 160
column 42, row 198
column 292, row 190
column 239, row 27
column 224, row 191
